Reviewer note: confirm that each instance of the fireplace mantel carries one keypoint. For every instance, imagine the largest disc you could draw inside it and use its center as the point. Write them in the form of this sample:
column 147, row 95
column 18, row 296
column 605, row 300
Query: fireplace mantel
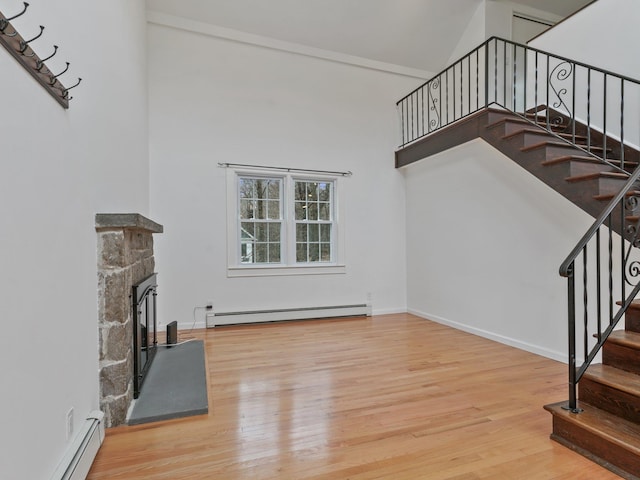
column 116, row 221
column 125, row 257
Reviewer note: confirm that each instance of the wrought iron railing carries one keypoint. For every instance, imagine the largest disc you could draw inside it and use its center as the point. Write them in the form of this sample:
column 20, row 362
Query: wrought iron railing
column 603, row 270
column 524, row 80
column 595, row 284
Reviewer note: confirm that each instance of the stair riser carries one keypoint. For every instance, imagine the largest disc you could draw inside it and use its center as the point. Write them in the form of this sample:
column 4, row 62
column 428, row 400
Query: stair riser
column 609, row 399
column 572, row 168
column 603, row 186
column 632, row 320
column 510, row 127
column 556, row 151
column 595, row 448
column 494, row 116
column 622, row 357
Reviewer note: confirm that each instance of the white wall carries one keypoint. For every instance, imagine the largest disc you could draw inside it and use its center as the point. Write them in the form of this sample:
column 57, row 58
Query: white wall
column 577, row 38
column 494, row 18
column 215, row 100
column 58, row 169
column 485, row 240
column 582, row 37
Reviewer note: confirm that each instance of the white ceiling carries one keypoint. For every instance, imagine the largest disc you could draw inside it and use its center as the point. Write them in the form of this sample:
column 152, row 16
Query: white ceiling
column 419, row 34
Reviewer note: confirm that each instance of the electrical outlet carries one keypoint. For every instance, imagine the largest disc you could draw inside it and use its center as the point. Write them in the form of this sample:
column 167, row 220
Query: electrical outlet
column 69, row 423
column 369, row 297
column 209, row 305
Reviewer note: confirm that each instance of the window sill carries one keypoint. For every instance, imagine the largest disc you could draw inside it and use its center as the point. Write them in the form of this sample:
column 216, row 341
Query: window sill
column 270, row 270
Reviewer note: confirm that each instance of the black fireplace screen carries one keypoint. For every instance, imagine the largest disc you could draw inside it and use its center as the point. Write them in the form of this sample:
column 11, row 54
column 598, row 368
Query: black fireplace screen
column 145, row 338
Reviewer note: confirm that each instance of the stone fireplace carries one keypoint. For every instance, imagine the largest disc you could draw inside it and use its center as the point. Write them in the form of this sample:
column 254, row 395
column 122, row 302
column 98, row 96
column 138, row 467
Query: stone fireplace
column 125, row 257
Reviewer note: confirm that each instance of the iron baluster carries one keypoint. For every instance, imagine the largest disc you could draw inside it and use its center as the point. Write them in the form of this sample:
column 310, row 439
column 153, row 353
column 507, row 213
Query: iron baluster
column 573, row 106
column 589, row 110
column 504, row 74
column 514, row 49
column 422, row 109
column 610, row 267
column 573, row 405
column 477, row 79
column 469, row 84
column 622, row 123
column 604, row 119
column 446, row 95
column 585, row 300
column 547, row 91
column 453, row 89
column 598, row 292
column 535, row 93
column 495, row 68
column 525, row 75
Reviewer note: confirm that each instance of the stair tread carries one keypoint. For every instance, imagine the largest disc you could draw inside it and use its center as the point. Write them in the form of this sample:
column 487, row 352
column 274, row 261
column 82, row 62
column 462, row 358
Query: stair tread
column 571, row 136
column 617, row 161
column 593, row 147
column 608, row 196
column 614, row 429
column 625, row 338
column 615, row 378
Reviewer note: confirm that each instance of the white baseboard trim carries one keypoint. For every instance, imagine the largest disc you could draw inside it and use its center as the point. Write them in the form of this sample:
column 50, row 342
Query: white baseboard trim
column 389, row 311
column 528, row 347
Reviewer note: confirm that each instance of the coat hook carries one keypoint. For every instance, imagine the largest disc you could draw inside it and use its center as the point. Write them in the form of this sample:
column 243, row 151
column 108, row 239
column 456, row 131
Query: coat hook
column 66, row 90
column 5, row 22
column 53, row 77
column 25, row 43
column 40, row 63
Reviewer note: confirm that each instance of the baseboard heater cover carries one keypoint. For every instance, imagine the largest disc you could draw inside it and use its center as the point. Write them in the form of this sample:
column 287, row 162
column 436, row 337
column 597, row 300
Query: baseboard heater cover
column 83, row 449
column 259, row 316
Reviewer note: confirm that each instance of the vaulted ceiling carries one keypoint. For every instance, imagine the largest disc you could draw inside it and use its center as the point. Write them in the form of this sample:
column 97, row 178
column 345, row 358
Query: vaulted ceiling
column 419, row 34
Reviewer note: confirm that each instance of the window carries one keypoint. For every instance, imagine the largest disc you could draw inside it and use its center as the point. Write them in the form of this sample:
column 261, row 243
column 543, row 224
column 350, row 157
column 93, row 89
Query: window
column 282, row 224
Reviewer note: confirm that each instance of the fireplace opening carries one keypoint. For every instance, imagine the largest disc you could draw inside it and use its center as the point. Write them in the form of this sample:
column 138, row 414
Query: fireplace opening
column 145, row 338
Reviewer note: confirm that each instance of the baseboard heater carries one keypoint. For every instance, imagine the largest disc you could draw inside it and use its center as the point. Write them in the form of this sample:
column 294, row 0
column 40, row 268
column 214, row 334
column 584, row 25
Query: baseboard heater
column 259, row 316
column 83, row 449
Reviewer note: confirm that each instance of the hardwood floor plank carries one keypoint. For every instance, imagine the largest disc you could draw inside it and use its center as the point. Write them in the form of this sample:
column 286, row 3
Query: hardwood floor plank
column 392, row 396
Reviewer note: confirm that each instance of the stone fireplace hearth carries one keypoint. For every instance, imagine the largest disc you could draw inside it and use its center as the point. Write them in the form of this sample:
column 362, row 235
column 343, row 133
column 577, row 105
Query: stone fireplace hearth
column 125, row 257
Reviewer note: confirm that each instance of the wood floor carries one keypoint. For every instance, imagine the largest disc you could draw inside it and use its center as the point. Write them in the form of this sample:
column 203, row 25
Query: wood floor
column 392, row 396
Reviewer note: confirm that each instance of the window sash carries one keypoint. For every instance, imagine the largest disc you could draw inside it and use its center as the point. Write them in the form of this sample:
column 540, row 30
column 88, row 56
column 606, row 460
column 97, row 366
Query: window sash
column 260, row 220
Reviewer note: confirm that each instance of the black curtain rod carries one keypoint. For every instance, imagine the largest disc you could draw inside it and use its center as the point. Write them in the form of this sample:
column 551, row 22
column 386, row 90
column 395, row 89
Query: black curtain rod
column 285, row 169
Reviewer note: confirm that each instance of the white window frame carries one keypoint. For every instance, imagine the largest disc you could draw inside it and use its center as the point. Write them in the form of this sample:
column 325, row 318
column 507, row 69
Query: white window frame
column 288, row 265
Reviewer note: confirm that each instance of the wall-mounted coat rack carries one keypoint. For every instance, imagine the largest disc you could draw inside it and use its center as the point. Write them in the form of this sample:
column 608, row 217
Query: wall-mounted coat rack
column 21, row 50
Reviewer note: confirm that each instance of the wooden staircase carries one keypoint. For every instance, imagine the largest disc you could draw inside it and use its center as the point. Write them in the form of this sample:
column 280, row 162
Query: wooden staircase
column 580, row 176
column 608, row 429
column 568, row 158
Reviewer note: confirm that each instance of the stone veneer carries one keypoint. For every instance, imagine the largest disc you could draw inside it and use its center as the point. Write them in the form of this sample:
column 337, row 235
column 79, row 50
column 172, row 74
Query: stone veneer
column 125, row 257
